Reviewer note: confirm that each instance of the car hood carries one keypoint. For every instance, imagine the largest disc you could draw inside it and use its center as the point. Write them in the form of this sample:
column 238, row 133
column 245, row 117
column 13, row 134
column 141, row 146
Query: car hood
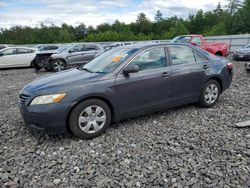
column 243, row 50
column 60, row 82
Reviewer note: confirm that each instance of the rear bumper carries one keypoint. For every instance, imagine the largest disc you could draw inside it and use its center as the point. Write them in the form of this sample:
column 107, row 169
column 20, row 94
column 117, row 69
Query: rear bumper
column 50, row 118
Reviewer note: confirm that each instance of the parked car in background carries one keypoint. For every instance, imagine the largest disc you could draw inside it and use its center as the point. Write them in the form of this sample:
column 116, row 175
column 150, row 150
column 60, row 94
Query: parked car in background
column 242, row 53
column 46, row 47
column 247, row 67
column 2, row 46
column 124, row 82
column 67, row 56
column 17, row 57
column 216, row 48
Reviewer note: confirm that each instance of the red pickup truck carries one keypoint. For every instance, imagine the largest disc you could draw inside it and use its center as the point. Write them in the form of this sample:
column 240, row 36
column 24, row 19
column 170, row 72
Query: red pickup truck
column 216, row 48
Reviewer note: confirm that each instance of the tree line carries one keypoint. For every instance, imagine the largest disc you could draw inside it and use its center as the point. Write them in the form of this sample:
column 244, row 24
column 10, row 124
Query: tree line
column 231, row 19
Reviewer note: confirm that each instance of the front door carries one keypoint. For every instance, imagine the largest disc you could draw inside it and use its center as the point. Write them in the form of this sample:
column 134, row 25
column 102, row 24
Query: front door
column 9, row 58
column 75, row 54
column 147, row 89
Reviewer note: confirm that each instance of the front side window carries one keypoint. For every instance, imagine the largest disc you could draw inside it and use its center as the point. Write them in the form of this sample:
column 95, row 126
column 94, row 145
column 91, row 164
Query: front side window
column 24, row 51
column 181, row 55
column 197, row 41
column 9, row 51
column 79, row 48
column 151, row 59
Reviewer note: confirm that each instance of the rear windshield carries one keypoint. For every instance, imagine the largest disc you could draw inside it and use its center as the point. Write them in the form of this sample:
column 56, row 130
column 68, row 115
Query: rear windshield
column 181, row 39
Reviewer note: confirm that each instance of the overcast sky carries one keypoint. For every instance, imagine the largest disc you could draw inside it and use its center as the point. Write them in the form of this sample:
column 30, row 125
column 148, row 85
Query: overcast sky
column 93, row 12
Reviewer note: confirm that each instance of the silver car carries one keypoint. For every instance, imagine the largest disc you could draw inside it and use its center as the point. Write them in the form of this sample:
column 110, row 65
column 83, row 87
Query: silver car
column 17, row 57
column 242, row 53
column 68, row 56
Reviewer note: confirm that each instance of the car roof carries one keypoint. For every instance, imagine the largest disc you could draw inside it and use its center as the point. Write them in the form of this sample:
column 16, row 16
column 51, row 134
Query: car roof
column 13, row 47
column 143, row 45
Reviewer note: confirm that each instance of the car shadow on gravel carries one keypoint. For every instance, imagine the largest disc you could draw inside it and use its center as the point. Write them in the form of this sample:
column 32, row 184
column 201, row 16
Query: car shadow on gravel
column 42, row 136
column 154, row 115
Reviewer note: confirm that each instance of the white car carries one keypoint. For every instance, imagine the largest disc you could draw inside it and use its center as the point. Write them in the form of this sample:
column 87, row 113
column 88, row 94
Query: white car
column 17, row 57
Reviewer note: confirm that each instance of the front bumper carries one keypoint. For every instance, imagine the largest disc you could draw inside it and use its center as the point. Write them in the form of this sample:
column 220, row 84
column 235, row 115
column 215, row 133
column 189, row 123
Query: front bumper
column 50, row 118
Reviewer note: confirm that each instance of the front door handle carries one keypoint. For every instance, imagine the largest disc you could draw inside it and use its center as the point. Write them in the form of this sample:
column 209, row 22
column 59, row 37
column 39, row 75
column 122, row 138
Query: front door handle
column 165, row 74
column 205, row 67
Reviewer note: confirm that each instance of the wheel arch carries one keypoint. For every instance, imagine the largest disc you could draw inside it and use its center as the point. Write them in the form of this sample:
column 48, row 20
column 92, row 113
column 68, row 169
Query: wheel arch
column 218, row 79
column 104, row 99
column 219, row 53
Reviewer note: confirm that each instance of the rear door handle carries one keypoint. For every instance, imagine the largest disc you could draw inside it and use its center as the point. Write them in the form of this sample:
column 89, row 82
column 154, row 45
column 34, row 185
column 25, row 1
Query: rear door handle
column 165, row 74
column 205, row 67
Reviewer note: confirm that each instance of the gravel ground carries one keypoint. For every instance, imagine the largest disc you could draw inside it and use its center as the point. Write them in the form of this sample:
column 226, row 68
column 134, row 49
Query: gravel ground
column 186, row 146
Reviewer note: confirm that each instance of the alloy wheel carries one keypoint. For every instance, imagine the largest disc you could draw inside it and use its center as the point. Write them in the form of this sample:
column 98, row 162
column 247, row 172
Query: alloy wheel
column 92, row 119
column 211, row 93
column 59, row 66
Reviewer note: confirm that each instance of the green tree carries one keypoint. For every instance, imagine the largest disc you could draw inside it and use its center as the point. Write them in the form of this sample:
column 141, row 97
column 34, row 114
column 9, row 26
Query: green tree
column 158, row 16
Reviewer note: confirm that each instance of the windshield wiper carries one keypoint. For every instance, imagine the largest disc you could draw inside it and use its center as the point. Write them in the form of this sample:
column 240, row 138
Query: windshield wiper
column 101, row 72
column 83, row 68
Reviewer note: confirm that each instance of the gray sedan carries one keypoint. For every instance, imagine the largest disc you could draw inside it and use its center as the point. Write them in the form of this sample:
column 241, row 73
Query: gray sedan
column 124, row 82
column 242, row 53
column 68, row 56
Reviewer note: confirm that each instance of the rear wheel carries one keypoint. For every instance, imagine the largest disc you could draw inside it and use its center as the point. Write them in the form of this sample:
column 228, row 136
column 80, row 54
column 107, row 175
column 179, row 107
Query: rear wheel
column 210, row 94
column 90, row 118
column 218, row 54
column 58, row 65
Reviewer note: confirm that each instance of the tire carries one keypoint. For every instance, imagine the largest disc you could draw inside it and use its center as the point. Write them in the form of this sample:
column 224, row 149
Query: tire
column 219, row 54
column 210, row 94
column 82, row 119
column 32, row 64
column 58, row 65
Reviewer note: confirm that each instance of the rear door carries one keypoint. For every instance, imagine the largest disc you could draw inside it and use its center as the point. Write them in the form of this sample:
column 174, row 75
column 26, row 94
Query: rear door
column 148, row 89
column 89, row 53
column 188, row 73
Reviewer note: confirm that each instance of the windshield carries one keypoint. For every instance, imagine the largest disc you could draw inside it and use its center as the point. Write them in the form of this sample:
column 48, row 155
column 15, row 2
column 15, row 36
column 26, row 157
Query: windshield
column 181, row 39
column 108, row 61
column 64, row 48
column 247, row 46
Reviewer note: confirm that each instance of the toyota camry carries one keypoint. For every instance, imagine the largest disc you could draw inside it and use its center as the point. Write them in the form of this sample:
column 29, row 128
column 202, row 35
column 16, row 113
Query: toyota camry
column 121, row 83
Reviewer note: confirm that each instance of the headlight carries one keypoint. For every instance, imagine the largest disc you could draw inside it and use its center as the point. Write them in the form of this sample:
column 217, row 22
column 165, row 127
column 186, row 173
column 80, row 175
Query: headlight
column 47, row 99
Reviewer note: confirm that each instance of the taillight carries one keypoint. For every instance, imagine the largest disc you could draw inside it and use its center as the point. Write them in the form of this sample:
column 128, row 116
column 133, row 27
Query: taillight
column 230, row 66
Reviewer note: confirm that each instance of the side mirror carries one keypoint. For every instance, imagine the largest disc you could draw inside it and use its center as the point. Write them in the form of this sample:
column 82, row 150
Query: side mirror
column 71, row 50
column 193, row 43
column 130, row 69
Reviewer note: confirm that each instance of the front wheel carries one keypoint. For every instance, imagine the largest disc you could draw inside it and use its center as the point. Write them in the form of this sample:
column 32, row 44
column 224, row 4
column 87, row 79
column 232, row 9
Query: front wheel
column 210, row 94
column 58, row 65
column 90, row 118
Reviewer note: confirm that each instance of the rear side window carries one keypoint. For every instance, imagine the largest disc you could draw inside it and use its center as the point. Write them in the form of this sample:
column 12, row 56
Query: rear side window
column 199, row 58
column 79, row 48
column 184, row 55
column 90, row 47
column 24, row 51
